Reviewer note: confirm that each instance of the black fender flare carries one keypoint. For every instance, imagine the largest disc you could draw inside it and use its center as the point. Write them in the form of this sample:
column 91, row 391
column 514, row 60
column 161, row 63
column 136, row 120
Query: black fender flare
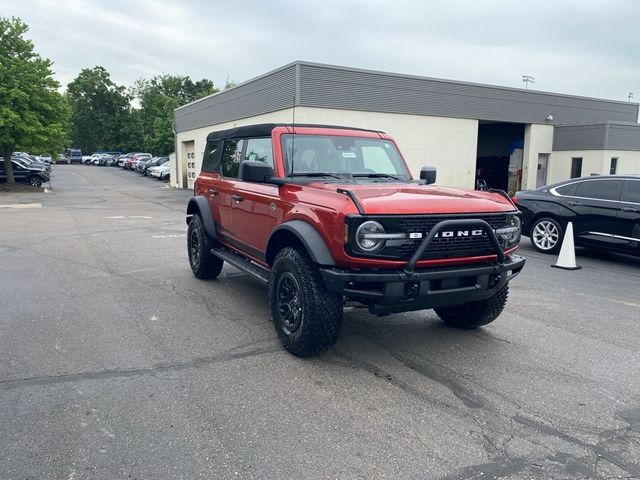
column 310, row 239
column 200, row 206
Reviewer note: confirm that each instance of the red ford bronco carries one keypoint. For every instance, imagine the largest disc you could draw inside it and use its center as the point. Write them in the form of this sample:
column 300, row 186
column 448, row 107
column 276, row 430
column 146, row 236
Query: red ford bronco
column 328, row 216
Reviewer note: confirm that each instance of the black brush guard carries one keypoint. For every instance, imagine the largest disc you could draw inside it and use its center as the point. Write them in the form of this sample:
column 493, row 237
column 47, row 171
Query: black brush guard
column 391, row 291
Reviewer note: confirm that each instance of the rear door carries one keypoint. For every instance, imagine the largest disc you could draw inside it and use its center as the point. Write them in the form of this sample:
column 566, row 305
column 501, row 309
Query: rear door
column 629, row 217
column 20, row 172
column 596, row 203
column 208, row 182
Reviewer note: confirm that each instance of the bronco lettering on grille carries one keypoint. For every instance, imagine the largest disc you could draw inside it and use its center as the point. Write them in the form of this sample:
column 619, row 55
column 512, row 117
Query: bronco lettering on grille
column 450, row 234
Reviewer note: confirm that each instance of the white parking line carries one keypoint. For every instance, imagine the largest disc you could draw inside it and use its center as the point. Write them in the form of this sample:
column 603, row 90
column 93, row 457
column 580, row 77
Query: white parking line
column 22, row 205
column 169, row 236
column 130, row 216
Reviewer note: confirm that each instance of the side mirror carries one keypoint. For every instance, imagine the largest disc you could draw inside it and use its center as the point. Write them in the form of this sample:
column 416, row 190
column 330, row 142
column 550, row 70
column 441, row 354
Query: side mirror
column 259, row 172
column 428, row 174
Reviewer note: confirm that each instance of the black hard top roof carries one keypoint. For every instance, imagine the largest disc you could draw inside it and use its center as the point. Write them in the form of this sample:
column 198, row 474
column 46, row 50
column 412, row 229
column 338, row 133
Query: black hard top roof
column 265, row 129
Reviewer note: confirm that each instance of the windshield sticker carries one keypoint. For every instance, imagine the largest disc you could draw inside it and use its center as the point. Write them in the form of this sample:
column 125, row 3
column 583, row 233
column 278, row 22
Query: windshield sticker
column 349, row 155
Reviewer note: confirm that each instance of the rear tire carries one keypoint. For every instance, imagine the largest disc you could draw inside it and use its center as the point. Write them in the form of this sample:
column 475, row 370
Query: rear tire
column 306, row 316
column 203, row 263
column 475, row 314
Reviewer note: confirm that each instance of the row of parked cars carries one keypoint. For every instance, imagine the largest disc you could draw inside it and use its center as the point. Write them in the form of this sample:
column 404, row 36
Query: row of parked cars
column 27, row 169
column 143, row 163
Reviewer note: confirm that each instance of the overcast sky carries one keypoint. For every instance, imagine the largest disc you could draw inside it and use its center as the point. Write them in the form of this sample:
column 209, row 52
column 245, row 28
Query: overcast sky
column 582, row 47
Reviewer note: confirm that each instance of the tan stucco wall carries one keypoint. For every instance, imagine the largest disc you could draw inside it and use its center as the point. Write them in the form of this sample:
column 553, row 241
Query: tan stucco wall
column 449, row 144
column 593, row 161
column 537, row 139
column 446, row 143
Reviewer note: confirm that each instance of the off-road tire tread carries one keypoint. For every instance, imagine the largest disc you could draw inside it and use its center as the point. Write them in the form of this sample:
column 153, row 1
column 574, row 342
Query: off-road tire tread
column 475, row 314
column 209, row 266
column 322, row 320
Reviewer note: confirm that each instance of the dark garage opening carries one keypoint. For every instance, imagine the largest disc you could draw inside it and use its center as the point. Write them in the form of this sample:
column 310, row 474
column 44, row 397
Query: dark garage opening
column 499, row 157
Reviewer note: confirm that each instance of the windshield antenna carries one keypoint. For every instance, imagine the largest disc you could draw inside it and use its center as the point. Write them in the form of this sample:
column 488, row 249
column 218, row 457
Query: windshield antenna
column 293, row 126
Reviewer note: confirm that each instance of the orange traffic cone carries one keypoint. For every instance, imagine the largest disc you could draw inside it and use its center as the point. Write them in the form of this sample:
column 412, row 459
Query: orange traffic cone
column 567, row 257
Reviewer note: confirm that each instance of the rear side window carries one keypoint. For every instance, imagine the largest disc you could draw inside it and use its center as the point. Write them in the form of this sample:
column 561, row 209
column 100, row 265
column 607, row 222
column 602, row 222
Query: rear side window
column 568, row 190
column 600, row 189
column 231, row 158
column 212, row 157
column 631, row 191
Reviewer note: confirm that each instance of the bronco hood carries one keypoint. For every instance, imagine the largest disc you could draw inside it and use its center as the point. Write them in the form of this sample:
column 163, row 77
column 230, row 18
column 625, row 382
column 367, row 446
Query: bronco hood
column 423, row 199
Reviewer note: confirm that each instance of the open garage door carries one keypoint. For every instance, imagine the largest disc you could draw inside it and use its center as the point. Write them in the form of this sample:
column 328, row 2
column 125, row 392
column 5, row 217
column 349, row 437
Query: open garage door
column 499, row 157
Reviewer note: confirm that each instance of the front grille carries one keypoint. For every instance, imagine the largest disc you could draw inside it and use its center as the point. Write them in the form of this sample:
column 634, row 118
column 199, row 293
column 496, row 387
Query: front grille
column 447, row 247
column 442, row 247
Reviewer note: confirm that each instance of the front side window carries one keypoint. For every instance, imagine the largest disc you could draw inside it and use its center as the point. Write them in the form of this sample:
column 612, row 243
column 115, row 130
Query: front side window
column 600, row 189
column 341, row 156
column 259, row 150
column 631, row 191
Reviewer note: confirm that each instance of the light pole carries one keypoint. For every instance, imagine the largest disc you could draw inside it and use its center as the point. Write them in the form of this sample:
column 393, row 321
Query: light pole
column 527, row 79
column 630, row 96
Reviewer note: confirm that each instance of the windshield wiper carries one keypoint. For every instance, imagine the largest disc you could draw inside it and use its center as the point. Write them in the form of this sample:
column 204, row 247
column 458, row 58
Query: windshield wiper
column 315, row 174
column 376, row 175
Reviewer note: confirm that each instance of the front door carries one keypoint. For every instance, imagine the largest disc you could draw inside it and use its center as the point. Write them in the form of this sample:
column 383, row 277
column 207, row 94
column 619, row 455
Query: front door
column 629, row 216
column 596, row 203
column 254, row 206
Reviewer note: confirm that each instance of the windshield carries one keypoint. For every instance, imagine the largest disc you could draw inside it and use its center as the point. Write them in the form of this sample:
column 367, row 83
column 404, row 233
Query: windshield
column 342, row 157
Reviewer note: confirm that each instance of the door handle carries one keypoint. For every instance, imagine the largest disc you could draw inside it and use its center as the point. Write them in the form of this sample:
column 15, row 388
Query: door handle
column 237, row 198
column 213, row 192
column 575, row 204
column 629, row 209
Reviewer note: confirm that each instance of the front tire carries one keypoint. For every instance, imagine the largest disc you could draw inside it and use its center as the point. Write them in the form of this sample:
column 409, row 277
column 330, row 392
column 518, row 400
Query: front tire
column 203, row 263
column 306, row 316
column 35, row 181
column 546, row 235
column 475, row 314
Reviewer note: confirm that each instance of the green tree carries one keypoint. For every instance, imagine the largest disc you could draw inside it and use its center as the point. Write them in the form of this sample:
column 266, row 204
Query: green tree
column 100, row 111
column 33, row 114
column 159, row 97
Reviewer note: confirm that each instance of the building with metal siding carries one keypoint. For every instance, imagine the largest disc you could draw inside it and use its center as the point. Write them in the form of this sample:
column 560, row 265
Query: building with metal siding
column 600, row 149
column 435, row 121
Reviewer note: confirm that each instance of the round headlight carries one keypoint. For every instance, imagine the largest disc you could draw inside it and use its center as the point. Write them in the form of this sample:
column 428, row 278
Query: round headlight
column 509, row 235
column 369, row 236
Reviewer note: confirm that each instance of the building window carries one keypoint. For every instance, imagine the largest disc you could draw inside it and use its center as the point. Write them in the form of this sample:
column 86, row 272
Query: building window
column 576, row 167
column 614, row 166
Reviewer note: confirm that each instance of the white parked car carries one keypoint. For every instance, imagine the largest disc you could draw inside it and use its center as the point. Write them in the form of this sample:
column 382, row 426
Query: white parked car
column 161, row 172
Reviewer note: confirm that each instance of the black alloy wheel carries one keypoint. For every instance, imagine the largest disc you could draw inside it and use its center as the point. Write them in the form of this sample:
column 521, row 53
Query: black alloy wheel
column 289, row 304
column 35, row 181
column 203, row 263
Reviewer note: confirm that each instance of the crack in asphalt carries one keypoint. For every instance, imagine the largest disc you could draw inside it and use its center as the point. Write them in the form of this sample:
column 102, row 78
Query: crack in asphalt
column 503, row 464
column 598, row 450
column 197, row 362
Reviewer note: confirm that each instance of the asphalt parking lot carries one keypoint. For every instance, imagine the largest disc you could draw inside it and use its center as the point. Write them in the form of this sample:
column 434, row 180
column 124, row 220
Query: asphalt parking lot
column 117, row 363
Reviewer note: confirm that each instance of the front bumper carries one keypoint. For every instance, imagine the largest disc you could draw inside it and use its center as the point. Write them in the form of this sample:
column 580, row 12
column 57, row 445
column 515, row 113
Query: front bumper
column 391, row 291
column 399, row 291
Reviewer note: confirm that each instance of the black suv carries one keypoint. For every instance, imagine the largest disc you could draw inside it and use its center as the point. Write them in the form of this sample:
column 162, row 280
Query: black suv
column 605, row 211
column 24, row 173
